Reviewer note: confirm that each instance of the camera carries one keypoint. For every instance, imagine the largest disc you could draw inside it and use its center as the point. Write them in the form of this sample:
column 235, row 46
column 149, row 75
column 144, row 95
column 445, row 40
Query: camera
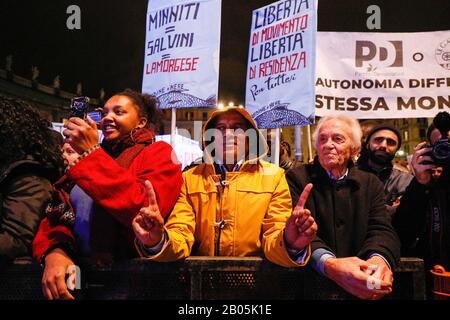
column 79, row 107
column 440, row 152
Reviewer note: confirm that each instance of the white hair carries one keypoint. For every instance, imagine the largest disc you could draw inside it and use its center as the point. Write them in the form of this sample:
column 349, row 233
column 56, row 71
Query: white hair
column 353, row 124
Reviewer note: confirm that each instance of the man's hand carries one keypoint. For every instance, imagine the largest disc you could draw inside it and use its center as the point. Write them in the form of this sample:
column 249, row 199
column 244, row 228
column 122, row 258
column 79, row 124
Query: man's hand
column 422, row 172
column 353, row 275
column 54, row 279
column 82, row 135
column 148, row 225
column 379, row 270
column 300, row 227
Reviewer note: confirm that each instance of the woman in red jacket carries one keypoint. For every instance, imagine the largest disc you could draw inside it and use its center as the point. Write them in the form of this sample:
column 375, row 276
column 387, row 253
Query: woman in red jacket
column 94, row 220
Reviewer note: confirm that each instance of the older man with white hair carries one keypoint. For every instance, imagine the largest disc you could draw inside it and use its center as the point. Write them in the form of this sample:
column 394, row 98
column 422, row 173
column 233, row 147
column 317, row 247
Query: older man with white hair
column 355, row 245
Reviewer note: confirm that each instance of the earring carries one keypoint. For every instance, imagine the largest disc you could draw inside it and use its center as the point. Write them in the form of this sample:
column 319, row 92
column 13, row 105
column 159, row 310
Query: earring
column 133, row 131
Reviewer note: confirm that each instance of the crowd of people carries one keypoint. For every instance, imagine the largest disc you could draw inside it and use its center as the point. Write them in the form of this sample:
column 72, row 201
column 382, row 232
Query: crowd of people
column 349, row 215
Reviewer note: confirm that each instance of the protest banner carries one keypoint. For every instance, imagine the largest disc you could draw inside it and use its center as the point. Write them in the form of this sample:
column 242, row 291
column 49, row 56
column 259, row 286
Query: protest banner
column 383, row 75
column 181, row 66
column 281, row 64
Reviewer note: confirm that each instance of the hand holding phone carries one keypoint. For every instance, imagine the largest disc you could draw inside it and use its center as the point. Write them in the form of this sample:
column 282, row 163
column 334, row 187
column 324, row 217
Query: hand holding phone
column 79, row 107
column 81, row 132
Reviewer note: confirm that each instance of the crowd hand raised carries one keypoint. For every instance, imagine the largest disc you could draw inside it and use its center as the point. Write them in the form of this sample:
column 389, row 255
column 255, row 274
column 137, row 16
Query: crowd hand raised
column 148, row 225
column 352, row 275
column 422, row 172
column 54, row 284
column 82, row 135
column 300, row 227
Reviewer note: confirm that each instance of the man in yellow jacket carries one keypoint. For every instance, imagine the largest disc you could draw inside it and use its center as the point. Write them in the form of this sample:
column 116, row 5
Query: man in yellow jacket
column 233, row 204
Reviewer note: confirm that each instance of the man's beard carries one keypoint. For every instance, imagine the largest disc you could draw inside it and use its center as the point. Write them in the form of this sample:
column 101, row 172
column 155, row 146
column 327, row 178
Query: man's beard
column 381, row 157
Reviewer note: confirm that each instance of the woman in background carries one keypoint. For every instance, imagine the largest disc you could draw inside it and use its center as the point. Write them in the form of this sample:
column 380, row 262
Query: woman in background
column 30, row 161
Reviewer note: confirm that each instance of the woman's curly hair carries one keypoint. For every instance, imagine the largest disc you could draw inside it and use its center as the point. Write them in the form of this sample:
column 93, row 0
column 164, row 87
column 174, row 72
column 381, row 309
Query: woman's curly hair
column 148, row 106
column 24, row 133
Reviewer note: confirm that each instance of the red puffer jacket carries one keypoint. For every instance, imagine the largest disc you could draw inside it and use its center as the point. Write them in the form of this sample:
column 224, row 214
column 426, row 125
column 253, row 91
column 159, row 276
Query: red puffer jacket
column 120, row 192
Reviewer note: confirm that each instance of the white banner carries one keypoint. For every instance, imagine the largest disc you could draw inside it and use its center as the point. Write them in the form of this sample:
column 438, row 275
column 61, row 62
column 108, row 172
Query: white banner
column 281, row 64
column 182, row 46
column 187, row 150
column 383, row 75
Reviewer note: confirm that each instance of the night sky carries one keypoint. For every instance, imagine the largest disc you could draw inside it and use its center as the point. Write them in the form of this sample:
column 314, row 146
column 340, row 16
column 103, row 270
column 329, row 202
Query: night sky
column 108, row 50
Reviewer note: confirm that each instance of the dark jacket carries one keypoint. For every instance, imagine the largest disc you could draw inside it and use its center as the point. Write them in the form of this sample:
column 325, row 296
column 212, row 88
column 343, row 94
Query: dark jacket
column 288, row 163
column 395, row 181
column 351, row 214
column 25, row 190
column 422, row 221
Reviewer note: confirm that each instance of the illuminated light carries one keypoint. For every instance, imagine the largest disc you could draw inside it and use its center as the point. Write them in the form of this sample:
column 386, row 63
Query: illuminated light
column 220, row 106
column 231, row 104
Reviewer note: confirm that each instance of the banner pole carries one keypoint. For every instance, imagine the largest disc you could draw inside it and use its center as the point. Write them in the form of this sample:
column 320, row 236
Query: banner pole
column 173, row 127
column 298, row 143
column 277, row 146
column 308, row 134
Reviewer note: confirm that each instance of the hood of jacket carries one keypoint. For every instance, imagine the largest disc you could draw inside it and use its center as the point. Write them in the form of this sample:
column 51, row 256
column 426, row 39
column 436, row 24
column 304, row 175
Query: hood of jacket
column 30, row 164
column 257, row 149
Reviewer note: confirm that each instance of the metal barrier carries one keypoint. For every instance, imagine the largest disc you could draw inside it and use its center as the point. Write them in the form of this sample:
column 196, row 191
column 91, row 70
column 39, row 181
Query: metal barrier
column 209, row 278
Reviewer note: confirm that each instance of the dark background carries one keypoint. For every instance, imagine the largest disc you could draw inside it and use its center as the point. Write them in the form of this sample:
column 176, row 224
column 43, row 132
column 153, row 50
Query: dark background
column 108, row 50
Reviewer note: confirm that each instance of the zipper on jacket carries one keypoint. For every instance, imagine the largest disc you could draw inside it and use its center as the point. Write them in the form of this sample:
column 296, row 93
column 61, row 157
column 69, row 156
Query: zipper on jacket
column 219, row 225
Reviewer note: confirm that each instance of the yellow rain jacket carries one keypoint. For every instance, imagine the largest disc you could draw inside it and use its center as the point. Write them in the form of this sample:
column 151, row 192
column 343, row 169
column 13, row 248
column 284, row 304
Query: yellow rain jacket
column 243, row 215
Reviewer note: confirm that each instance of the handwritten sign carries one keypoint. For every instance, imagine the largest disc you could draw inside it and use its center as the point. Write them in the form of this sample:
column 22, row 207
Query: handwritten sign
column 182, row 45
column 281, row 64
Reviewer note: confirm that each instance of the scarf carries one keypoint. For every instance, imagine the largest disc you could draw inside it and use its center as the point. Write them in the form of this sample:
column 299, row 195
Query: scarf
column 60, row 210
column 108, row 238
column 124, row 150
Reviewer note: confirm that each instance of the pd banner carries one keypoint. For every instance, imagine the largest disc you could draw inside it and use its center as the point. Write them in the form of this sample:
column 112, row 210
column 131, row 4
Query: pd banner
column 383, row 75
column 281, row 64
column 181, row 65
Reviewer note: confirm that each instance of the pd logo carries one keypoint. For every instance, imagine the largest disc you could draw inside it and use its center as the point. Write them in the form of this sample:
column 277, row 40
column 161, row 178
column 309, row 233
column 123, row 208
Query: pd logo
column 367, row 54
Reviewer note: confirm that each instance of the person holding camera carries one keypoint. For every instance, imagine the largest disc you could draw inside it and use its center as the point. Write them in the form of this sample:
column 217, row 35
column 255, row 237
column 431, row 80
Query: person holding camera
column 112, row 177
column 422, row 220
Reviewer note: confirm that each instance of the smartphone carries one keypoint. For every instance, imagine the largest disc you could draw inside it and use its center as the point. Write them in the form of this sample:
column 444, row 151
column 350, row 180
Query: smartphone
column 96, row 116
column 79, row 107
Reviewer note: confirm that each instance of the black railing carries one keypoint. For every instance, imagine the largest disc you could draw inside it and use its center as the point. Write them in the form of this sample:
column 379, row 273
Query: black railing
column 203, row 278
